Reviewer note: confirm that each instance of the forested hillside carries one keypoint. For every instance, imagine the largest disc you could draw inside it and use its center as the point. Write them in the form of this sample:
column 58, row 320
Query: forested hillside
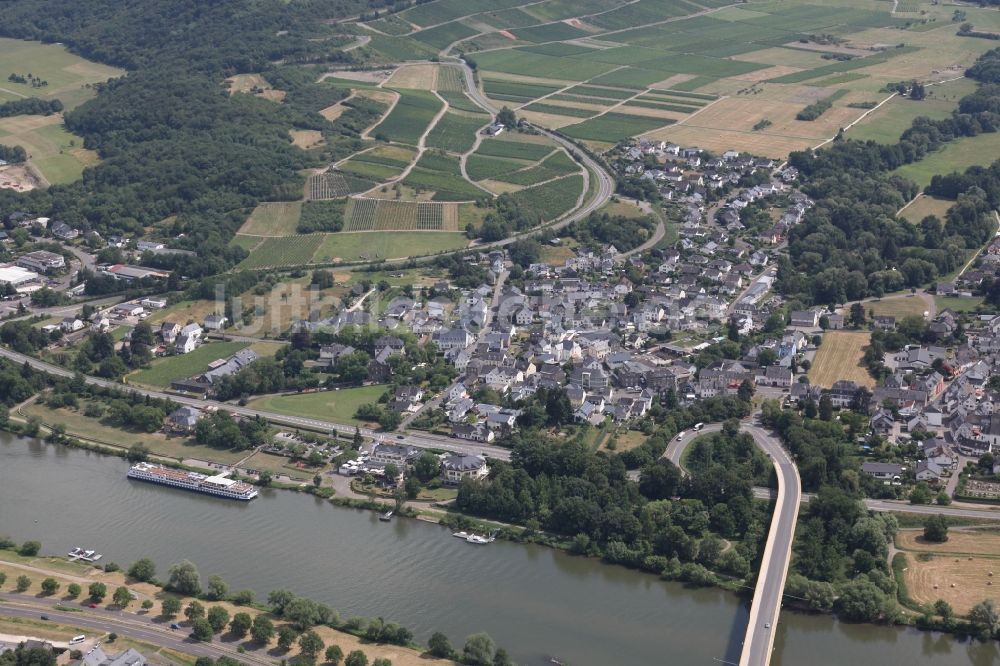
column 172, row 140
column 852, row 245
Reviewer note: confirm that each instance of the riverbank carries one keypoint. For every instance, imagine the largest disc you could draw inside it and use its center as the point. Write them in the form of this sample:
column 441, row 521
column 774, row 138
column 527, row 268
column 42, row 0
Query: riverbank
column 668, row 570
column 66, row 573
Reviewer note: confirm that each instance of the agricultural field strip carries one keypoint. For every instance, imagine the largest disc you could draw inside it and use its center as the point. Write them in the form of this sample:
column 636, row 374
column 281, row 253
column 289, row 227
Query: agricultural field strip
column 557, row 23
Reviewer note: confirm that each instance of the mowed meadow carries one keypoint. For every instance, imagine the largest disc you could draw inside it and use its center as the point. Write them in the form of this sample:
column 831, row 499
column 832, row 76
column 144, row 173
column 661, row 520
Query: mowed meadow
column 49, row 72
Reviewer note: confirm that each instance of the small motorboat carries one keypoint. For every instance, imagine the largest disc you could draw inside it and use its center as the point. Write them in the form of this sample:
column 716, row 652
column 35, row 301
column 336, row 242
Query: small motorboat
column 480, row 540
column 386, row 517
column 461, row 535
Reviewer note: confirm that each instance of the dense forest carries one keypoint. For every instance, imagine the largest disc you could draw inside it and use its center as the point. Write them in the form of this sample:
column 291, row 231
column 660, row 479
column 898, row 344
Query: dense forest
column 174, row 144
column 564, row 487
column 852, row 245
column 30, row 106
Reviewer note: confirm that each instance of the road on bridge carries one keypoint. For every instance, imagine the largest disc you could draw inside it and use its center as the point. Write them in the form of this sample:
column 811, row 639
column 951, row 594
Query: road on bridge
column 759, row 640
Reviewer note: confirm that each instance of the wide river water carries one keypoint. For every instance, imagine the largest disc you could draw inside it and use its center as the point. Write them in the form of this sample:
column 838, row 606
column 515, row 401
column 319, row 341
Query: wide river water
column 535, row 601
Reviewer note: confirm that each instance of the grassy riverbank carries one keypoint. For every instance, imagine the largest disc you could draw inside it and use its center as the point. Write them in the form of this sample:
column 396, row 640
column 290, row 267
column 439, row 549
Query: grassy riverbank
column 13, row 565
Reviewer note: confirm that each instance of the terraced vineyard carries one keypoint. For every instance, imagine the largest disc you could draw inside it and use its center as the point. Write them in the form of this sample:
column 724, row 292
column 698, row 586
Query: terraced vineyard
column 335, row 185
column 329, row 185
column 362, row 215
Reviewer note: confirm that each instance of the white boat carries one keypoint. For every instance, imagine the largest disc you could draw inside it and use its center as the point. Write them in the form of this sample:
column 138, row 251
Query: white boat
column 461, row 535
column 480, row 540
column 76, row 552
column 213, row 485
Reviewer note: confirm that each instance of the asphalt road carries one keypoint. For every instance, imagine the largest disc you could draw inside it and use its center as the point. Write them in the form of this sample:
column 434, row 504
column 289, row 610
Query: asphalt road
column 420, row 440
column 605, row 183
column 99, row 620
column 759, row 640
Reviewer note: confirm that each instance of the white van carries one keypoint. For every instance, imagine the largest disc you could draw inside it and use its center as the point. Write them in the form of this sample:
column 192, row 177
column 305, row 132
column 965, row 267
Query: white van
column 698, row 426
column 680, row 435
column 77, row 639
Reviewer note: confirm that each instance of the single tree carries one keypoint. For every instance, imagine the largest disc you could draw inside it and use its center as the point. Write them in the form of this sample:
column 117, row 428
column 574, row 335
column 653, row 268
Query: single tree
column 286, row 637
column 356, row 658
column 439, row 646
column 278, row 599
column 73, row 590
column 147, row 604
column 194, row 610
column 334, row 655
column 142, row 570
column 170, row 607
column 201, row 630
column 311, row 644
column 50, row 586
column 825, row 408
column 240, row 626
column 184, row 579
column 218, row 617
column 30, row 548
column 985, row 616
column 121, row 596
column 478, row 650
column 262, row 630
column 97, row 592
column 217, row 589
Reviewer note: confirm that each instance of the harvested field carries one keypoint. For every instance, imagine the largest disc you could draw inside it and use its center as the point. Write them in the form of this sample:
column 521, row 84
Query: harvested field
column 331, row 113
column 306, row 139
column 418, row 77
column 971, row 542
column 962, row 581
column 273, row 219
column 839, row 357
column 363, row 76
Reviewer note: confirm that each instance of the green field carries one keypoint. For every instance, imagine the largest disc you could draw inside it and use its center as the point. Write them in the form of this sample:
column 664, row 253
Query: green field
column 442, row 35
column 166, row 370
column 558, row 164
column 514, row 149
column 613, row 126
column 356, row 246
column 480, row 167
column 159, row 444
column 410, row 117
column 958, row 303
column 456, row 132
column 284, row 251
column 895, row 117
column 66, row 74
column 56, row 153
column 551, row 200
column 273, row 219
column 338, row 406
column 442, row 175
column 956, row 155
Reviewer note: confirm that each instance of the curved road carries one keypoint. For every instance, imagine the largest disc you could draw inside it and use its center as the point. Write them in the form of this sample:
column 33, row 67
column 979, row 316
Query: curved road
column 420, row 440
column 605, row 183
column 125, row 624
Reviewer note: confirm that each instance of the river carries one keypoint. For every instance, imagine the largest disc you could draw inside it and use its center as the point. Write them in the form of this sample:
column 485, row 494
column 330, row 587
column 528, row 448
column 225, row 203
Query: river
column 535, row 601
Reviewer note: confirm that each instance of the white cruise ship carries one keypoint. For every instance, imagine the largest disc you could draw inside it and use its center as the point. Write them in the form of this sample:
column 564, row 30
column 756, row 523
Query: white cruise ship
column 212, row 485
